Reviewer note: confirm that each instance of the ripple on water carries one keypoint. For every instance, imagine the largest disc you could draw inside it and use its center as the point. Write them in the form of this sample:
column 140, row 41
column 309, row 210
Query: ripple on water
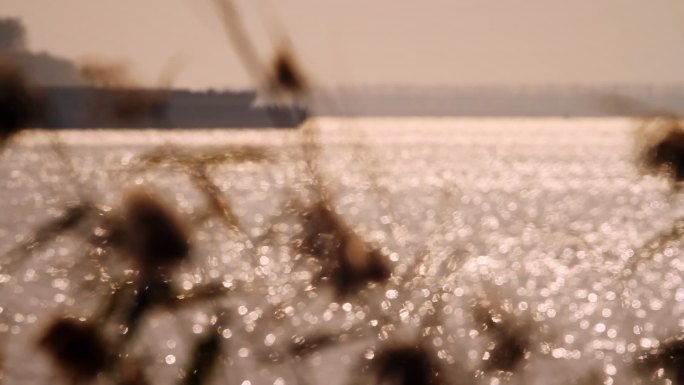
column 524, row 251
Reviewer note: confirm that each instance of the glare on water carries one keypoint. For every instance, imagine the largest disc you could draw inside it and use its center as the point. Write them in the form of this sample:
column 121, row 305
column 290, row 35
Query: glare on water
column 523, row 251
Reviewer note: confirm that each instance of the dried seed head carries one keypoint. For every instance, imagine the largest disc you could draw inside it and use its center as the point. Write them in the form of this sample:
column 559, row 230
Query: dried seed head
column 661, row 149
column 509, row 337
column 287, row 77
column 406, row 365
column 147, row 296
column 322, row 230
column 206, row 354
column 358, row 267
column 669, row 356
column 348, row 262
column 76, row 347
column 154, row 235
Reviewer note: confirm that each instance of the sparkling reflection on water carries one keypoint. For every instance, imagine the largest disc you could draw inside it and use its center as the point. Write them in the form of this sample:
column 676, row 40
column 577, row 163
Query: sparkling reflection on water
column 540, row 217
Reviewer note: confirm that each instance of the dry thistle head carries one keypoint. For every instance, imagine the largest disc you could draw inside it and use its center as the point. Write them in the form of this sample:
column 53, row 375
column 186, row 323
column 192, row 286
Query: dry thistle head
column 147, row 296
column 322, row 230
column 509, row 336
column 287, row 77
column 205, row 356
column 20, row 104
column 348, row 262
column 661, row 147
column 406, row 364
column 156, row 238
column 281, row 77
column 669, row 356
column 359, row 266
column 76, row 347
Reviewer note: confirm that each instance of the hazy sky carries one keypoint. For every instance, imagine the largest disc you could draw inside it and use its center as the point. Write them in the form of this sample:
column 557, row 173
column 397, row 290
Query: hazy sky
column 356, row 42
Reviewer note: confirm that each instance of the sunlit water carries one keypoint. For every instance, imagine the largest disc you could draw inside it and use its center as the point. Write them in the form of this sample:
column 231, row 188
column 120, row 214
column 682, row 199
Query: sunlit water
column 541, row 216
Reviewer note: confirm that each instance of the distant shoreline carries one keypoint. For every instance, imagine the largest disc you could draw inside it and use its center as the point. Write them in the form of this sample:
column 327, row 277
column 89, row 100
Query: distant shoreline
column 87, row 107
